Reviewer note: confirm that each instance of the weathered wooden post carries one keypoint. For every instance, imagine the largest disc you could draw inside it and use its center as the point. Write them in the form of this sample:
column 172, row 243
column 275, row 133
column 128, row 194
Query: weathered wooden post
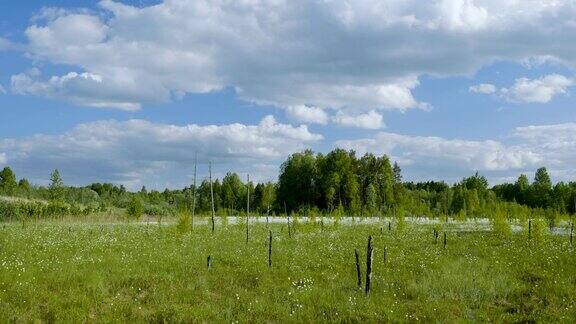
column 571, row 233
column 435, row 236
column 212, row 197
column 369, row 251
column 389, row 226
column 248, row 209
column 209, row 262
column 384, row 252
column 270, row 249
column 445, row 239
column 288, row 220
column 529, row 229
column 358, row 273
column 267, row 215
column 194, row 191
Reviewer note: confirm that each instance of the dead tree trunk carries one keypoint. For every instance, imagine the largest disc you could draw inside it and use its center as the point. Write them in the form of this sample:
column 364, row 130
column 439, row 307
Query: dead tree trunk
column 212, row 197
column 248, row 210
column 358, row 272
column 369, row 251
column 288, row 220
column 270, row 249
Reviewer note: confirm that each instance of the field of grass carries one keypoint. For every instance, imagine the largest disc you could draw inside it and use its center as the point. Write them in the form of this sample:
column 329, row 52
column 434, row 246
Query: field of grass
column 57, row 271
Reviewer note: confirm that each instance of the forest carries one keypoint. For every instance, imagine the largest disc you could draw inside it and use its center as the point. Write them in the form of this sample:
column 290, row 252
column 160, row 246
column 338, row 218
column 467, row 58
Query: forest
column 338, row 183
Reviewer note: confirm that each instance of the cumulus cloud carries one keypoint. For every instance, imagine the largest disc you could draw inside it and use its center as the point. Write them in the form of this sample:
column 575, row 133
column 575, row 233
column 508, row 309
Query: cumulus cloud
column 370, row 120
column 137, row 152
column 85, row 89
column 524, row 150
column 526, row 90
column 307, row 114
column 363, row 55
column 540, row 90
column 484, row 88
column 2, row 90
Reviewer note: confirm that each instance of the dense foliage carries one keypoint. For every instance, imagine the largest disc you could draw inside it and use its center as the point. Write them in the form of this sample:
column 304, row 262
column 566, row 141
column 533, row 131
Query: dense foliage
column 337, row 183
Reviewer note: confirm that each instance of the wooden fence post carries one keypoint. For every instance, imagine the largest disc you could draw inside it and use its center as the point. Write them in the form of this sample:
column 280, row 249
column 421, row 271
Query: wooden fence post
column 529, row 229
column 369, row 251
column 358, row 273
column 209, row 262
column 270, row 249
column 445, row 239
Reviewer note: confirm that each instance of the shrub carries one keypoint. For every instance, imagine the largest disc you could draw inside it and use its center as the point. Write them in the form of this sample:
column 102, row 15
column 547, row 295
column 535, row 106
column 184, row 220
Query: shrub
column 135, row 209
column 184, row 222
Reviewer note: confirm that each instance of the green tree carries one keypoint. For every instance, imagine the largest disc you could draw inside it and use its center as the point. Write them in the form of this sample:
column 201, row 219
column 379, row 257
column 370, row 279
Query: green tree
column 371, row 200
column 541, row 189
column 7, row 181
column 56, row 188
column 397, row 173
column 24, row 186
column 135, row 209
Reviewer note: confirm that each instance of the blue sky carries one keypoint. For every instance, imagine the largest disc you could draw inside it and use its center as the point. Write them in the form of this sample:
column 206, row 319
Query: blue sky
column 130, row 91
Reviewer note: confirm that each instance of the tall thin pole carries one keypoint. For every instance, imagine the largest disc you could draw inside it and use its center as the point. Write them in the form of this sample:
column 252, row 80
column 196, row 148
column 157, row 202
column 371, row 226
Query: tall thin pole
column 287, row 219
column 211, row 194
column 194, row 189
column 247, row 208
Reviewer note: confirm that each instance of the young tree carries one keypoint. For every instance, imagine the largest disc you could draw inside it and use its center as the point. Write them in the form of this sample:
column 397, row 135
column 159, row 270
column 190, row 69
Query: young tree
column 397, row 173
column 7, row 181
column 56, row 188
column 371, row 200
column 24, row 186
column 135, row 209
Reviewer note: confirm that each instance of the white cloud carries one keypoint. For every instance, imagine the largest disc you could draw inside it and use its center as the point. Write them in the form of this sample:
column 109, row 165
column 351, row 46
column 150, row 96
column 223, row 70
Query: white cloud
column 2, row 90
column 449, row 153
column 139, row 152
column 363, row 55
column 3, row 158
column 540, row 90
column 85, row 89
column 484, row 88
column 527, row 148
column 370, row 120
column 307, row 114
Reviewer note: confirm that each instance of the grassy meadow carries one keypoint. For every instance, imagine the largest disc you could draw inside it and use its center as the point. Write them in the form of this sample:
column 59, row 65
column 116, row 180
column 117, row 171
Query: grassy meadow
column 90, row 272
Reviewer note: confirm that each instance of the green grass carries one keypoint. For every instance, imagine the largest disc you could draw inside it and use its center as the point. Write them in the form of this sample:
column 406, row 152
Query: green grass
column 102, row 273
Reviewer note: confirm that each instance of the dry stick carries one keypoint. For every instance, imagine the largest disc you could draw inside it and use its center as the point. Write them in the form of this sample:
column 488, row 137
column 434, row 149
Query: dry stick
column 194, row 189
column 571, row 233
column 369, row 251
column 358, row 273
column 211, row 195
column 384, row 251
column 288, row 220
column 248, row 209
column 270, row 249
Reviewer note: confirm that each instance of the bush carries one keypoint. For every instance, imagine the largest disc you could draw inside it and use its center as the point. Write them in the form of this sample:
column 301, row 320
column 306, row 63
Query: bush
column 500, row 224
column 135, row 209
column 184, row 222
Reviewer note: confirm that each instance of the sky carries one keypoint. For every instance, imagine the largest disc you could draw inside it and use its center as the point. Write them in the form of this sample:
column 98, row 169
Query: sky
column 133, row 92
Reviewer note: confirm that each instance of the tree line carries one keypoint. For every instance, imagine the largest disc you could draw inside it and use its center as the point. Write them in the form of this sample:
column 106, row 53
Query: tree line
column 337, row 183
